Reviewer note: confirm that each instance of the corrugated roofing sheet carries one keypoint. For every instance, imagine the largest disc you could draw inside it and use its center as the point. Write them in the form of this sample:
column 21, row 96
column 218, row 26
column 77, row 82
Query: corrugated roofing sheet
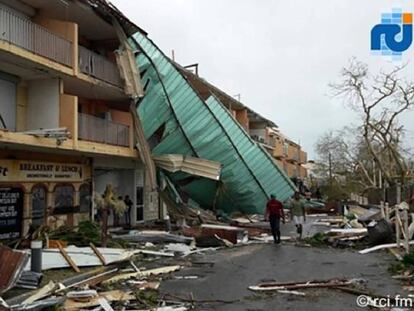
column 12, row 263
column 176, row 117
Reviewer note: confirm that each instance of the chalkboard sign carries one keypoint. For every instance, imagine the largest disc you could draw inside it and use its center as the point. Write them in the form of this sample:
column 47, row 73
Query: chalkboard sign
column 11, row 212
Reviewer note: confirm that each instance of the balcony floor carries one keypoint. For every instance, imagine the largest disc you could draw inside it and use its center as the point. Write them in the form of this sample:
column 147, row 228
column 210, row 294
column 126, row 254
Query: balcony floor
column 29, row 66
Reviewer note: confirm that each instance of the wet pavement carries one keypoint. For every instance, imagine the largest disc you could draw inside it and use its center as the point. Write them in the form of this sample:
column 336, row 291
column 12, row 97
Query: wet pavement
column 237, row 268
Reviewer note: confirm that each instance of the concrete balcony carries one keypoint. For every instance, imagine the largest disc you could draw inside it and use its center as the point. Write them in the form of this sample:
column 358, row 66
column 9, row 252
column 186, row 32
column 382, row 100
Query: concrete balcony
column 51, row 46
column 25, row 34
column 103, row 131
column 98, row 67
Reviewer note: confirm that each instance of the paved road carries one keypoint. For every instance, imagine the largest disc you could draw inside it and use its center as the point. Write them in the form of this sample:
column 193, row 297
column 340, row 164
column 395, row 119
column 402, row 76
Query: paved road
column 235, row 269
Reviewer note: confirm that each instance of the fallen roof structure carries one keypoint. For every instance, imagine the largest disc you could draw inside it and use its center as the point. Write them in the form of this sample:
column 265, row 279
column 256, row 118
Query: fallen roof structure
column 176, row 120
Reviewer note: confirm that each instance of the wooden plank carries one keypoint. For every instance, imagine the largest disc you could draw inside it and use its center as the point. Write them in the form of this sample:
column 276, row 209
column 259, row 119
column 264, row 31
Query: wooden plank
column 67, row 258
column 299, row 285
column 98, row 253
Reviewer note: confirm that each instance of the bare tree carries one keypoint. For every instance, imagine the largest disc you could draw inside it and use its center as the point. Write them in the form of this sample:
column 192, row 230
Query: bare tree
column 380, row 100
column 345, row 151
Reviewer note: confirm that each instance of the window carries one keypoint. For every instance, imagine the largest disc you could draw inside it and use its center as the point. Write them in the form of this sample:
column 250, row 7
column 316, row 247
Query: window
column 64, row 198
column 38, row 205
column 85, row 198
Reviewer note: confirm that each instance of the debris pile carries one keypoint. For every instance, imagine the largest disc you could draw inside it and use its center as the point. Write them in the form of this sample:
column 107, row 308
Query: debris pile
column 76, row 272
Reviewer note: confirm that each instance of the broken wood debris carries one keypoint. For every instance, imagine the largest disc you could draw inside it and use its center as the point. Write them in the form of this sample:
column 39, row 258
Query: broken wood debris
column 98, row 253
column 157, row 271
column 275, row 286
column 67, row 258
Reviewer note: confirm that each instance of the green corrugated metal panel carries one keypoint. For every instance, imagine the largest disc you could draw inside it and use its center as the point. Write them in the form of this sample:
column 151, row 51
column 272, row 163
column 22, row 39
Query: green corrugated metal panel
column 206, row 130
column 257, row 159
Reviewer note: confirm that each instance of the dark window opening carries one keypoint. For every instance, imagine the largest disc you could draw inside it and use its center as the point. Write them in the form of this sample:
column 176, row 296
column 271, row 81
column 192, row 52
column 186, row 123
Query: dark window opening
column 38, row 205
column 85, row 198
column 64, row 200
column 157, row 137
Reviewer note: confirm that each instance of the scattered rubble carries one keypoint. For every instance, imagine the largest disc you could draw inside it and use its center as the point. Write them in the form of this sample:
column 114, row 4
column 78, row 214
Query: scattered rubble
column 129, row 275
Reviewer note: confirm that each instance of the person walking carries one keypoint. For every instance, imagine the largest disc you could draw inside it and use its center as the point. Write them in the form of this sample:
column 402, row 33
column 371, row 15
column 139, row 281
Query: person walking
column 297, row 212
column 274, row 213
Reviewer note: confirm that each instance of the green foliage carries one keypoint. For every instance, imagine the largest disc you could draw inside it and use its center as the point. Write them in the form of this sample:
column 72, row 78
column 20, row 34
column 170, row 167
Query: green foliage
column 408, row 260
column 337, row 191
column 317, row 240
column 86, row 232
column 147, row 297
column 407, row 263
column 396, row 268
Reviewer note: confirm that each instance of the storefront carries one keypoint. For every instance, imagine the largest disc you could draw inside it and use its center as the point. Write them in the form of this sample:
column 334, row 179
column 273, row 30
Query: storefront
column 126, row 179
column 35, row 192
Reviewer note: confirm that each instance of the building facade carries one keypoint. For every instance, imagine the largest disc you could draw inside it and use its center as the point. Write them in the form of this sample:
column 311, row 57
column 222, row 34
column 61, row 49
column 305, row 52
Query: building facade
column 66, row 130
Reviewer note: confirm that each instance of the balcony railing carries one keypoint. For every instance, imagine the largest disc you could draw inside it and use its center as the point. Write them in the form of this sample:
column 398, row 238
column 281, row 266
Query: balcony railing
column 30, row 36
column 98, row 66
column 100, row 130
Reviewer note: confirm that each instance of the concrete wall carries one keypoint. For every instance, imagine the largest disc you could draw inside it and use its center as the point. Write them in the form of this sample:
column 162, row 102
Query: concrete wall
column 69, row 114
column 242, row 118
column 43, row 104
column 21, row 118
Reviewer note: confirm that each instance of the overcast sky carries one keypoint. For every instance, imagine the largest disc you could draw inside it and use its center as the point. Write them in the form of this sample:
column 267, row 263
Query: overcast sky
column 279, row 55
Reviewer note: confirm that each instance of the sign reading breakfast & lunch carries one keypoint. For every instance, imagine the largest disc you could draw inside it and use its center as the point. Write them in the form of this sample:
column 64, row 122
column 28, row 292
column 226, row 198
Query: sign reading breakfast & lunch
column 31, row 171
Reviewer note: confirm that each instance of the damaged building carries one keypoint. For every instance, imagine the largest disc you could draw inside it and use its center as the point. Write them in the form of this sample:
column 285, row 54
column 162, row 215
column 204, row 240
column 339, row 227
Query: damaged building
column 87, row 100
column 66, row 127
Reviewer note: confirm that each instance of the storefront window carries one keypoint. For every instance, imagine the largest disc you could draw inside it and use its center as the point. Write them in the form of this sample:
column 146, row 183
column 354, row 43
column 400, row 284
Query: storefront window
column 64, row 199
column 38, row 205
column 85, row 198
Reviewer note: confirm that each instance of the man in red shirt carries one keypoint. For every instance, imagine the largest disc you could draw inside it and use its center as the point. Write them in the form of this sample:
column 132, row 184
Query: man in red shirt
column 274, row 212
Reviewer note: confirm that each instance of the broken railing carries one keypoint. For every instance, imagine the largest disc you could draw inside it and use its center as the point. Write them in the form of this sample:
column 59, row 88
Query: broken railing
column 98, row 67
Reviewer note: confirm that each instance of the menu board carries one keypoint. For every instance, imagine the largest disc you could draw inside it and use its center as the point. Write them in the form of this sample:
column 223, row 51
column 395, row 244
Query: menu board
column 11, row 212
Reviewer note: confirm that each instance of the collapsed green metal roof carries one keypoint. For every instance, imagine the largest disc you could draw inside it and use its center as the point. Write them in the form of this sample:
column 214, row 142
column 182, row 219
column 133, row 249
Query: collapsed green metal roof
column 176, row 120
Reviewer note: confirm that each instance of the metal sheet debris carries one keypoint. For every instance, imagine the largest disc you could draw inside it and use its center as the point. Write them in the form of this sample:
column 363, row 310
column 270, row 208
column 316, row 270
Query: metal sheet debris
column 12, row 263
column 153, row 237
column 82, row 257
column 191, row 165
